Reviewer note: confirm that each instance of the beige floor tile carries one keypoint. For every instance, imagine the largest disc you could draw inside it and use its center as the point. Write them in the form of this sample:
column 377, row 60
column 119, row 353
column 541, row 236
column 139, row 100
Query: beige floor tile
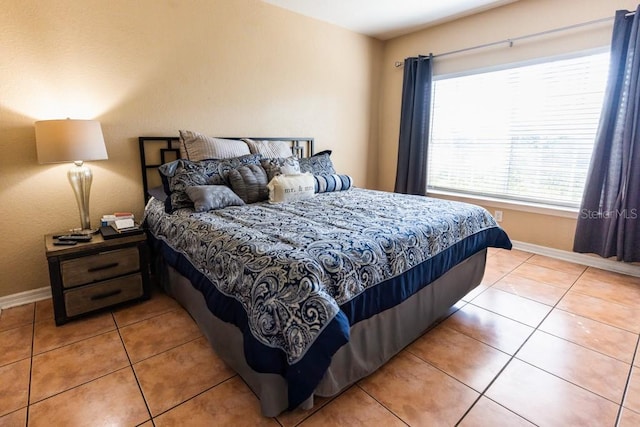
column 531, row 289
column 158, row 304
column 14, row 419
column 114, row 399
column 547, row 400
column 293, row 418
column 557, row 264
column 157, row 334
column 406, row 385
column 229, row 404
column 15, row 344
column 611, row 277
column 628, row 418
column 520, row 309
column 354, row 407
column 44, row 310
column 474, row 293
column 613, row 314
column 586, row 368
column 488, row 413
column 497, row 331
column 491, row 276
column 174, row 376
column 632, row 398
column 69, row 366
column 48, row 336
column 560, row 279
column 594, row 335
column 16, row 316
column 618, row 291
column 14, row 389
column 502, row 264
column 464, row 358
column 514, row 254
column 147, row 424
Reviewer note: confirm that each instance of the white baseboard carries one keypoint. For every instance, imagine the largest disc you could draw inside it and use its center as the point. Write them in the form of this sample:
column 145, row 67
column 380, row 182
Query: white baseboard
column 25, row 297
column 583, row 259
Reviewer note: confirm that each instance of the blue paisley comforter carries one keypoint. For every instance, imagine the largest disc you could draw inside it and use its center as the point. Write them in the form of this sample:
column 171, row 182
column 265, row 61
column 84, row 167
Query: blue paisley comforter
column 294, row 277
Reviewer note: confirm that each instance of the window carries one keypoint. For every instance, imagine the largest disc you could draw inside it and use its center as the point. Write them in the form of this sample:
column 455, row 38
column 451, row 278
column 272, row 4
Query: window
column 523, row 133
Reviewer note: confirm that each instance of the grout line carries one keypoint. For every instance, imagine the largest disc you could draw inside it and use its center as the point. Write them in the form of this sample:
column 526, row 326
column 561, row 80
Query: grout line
column 380, row 403
column 626, row 386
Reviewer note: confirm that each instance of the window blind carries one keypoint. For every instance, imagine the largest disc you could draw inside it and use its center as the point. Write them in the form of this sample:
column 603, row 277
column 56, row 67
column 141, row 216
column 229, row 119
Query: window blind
column 524, row 133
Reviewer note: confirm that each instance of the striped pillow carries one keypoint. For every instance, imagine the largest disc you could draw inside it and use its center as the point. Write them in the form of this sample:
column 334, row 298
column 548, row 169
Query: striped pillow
column 195, row 147
column 269, row 149
column 334, row 182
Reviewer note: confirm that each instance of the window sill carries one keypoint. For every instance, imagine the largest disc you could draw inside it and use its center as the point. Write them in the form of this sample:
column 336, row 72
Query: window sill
column 536, row 208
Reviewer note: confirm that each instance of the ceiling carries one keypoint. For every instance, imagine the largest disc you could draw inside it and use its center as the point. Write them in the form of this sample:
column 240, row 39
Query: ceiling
column 385, row 19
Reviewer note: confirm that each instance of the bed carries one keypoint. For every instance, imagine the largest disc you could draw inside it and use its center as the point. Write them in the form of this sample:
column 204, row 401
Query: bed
column 305, row 298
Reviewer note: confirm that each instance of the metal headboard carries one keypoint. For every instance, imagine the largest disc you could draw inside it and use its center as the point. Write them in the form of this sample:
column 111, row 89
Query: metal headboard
column 157, row 150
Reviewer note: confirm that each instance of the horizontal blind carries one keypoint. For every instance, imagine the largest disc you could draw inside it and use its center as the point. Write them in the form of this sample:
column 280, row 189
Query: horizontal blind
column 523, row 133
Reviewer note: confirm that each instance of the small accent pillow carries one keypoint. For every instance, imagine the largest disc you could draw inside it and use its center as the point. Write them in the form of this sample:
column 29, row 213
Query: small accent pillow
column 329, row 183
column 280, row 166
column 287, row 188
column 208, row 197
column 195, row 147
column 250, row 183
column 269, row 149
column 318, row 164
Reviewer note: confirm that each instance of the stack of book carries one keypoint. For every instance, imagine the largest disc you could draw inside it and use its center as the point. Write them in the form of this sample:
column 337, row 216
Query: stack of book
column 119, row 224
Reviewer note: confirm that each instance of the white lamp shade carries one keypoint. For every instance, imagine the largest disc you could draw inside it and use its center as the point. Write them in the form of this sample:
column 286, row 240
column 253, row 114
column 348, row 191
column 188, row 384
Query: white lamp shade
column 69, row 140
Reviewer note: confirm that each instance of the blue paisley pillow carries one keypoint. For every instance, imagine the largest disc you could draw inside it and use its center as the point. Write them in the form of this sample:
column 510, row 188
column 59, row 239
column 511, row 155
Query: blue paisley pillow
column 180, row 174
column 318, row 164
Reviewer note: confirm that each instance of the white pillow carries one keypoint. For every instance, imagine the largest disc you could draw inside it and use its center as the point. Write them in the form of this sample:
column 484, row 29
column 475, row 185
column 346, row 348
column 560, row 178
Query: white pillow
column 287, row 188
column 269, row 149
column 195, row 147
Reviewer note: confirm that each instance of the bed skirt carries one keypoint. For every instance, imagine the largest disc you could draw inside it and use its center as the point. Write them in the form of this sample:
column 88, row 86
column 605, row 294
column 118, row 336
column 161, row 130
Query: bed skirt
column 372, row 341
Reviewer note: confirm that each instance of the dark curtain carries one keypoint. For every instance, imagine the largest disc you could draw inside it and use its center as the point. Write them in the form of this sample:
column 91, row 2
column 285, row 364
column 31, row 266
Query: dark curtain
column 608, row 218
column 411, row 173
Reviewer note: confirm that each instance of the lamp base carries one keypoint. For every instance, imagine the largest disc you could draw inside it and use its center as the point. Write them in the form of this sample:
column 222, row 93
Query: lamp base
column 80, row 178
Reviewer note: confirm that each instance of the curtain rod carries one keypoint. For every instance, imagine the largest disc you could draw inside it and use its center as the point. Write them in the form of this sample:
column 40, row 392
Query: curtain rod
column 510, row 41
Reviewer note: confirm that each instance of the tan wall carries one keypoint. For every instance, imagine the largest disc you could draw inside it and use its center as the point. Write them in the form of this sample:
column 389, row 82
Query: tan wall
column 517, row 19
column 150, row 67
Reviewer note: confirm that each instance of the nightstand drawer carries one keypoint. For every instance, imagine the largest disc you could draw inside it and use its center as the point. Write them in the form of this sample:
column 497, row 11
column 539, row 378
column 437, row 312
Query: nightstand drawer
column 110, row 292
column 100, row 266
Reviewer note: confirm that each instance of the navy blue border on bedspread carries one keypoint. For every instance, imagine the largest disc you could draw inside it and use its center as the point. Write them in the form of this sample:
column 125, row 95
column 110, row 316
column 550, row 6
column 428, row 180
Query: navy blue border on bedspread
column 303, row 376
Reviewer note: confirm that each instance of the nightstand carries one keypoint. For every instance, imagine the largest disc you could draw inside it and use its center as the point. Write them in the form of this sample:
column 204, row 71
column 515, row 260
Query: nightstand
column 98, row 274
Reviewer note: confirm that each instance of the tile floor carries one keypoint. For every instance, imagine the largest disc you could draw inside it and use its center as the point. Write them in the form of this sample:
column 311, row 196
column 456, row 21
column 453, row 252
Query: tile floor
column 539, row 342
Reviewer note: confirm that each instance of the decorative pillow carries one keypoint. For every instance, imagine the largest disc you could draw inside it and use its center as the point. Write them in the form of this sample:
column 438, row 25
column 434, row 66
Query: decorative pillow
column 208, row 197
column 328, row 183
column 250, row 183
column 278, row 166
column 226, row 165
column 269, row 149
column 178, row 175
column 195, row 147
column 287, row 188
column 318, row 164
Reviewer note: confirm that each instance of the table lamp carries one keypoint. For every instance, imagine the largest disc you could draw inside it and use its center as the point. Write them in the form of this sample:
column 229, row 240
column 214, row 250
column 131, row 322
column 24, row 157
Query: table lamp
column 74, row 141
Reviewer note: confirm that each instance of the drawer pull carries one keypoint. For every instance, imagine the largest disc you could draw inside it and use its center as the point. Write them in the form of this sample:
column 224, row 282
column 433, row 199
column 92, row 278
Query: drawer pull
column 103, row 267
column 105, row 295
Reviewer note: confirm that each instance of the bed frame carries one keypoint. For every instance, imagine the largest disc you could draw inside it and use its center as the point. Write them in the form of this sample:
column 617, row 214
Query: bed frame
column 372, row 341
